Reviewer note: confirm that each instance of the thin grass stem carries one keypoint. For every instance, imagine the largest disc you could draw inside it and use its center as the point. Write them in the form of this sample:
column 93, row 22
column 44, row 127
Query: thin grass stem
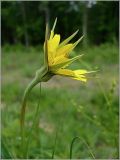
column 53, row 153
column 103, row 92
column 72, row 143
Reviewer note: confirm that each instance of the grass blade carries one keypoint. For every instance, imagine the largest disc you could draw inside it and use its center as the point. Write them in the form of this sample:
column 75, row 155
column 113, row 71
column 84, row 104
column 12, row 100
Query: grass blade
column 53, row 153
column 72, row 143
column 5, row 153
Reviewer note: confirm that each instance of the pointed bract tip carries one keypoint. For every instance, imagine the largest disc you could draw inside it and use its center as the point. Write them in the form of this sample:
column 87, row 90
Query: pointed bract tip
column 82, row 36
column 75, row 44
column 46, row 33
column 77, row 31
column 54, row 24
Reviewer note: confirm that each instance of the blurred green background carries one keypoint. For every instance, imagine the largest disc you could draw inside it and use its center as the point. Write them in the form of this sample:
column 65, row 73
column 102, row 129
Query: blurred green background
column 67, row 107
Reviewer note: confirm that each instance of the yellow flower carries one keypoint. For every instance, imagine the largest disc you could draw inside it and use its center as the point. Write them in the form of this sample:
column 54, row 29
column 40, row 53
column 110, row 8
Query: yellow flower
column 57, row 56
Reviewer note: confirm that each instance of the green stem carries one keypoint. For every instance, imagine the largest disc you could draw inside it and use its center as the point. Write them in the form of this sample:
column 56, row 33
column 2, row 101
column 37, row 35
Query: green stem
column 103, row 92
column 33, row 83
column 53, row 153
column 73, row 141
column 41, row 75
column 33, row 126
column 71, row 147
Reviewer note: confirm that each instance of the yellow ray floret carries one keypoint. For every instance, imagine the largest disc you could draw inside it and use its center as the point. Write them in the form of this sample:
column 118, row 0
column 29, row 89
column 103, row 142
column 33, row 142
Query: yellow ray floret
column 75, row 74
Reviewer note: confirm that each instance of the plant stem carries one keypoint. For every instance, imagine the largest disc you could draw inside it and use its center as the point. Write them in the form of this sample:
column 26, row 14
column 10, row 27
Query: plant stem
column 33, row 125
column 53, row 153
column 103, row 92
column 71, row 146
column 22, row 117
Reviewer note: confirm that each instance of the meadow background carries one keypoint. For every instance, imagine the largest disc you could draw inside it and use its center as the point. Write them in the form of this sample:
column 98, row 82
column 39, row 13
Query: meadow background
column 68, row 108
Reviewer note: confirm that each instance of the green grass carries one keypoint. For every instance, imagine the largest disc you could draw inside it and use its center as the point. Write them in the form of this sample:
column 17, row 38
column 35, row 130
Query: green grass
column 68, row 107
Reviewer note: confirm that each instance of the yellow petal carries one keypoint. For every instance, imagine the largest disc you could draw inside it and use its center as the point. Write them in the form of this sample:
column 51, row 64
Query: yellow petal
column 64, row 50
column 65, row 72
column 59, row 59
column 74, row 45
column 53, row 43
column 80, row 71
column 50, row 60
column 51, row 35
column 64, row 63
column 80, row 79
column 67, row 48
column 70, row 73
column 83, row 71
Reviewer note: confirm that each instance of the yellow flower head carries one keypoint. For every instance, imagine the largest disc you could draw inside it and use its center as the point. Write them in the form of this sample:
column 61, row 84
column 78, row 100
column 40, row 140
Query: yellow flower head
column 57, row 56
